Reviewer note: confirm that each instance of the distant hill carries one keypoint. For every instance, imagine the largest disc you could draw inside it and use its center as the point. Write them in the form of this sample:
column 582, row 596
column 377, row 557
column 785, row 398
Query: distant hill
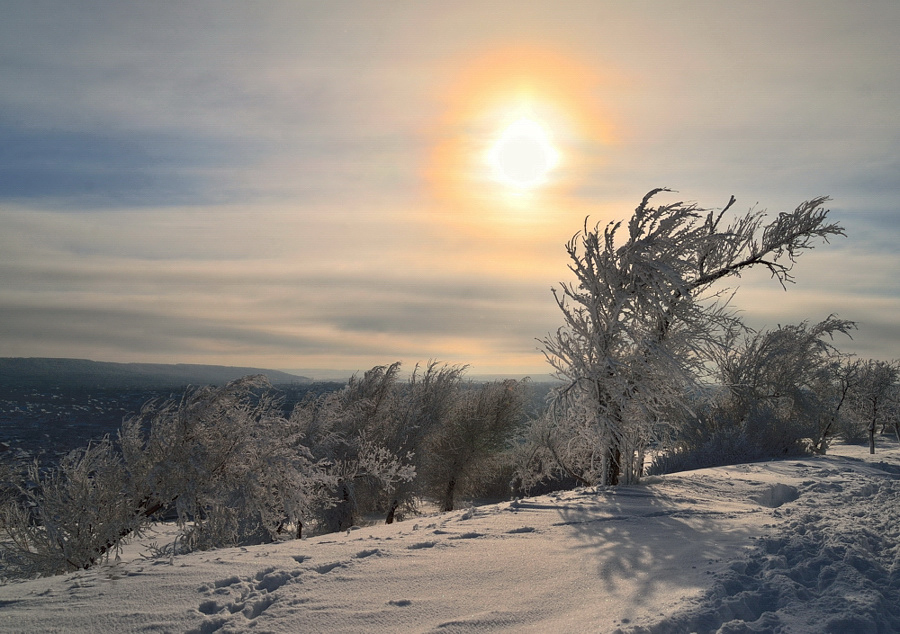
column 80, row 373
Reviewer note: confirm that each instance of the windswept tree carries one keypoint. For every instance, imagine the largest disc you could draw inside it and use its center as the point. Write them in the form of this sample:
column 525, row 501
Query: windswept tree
column 71, row 516
column 794, row 373
column 225, row 460
column 845, row 379
column 643, row 314
column 345, row 431
column 428, row 406
column 478, row 428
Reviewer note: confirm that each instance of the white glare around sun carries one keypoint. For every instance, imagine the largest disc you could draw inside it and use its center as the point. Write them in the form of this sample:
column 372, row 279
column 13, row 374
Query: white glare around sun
column 523, row 155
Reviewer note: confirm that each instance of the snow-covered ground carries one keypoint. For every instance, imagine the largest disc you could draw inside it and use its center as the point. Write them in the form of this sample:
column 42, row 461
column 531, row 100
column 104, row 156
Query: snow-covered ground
column 800, row 545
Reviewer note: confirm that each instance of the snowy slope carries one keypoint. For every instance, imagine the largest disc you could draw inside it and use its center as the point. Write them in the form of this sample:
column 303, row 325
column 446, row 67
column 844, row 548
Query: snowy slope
column 806, row 545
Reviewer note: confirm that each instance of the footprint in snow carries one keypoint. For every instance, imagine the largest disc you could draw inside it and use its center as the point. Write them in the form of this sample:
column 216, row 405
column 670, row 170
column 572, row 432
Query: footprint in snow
column 272, row 579
column 208, row 627
column 255, row 608
column 366, row 553
column 209, row 607
column 467, row 536
column 230, row 581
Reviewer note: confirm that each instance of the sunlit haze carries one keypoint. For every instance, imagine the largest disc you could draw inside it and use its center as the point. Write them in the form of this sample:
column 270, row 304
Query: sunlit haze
column 300, row 186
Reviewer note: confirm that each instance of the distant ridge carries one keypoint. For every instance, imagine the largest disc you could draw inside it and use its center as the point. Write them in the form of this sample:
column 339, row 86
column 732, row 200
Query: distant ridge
column 81, row 373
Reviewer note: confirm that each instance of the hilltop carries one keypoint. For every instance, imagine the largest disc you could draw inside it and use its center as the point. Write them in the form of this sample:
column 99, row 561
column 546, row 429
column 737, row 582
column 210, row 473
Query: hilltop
column 18, row 372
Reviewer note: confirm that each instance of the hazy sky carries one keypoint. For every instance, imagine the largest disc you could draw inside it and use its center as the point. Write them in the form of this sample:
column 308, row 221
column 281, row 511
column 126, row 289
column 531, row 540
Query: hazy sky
column 308, row 184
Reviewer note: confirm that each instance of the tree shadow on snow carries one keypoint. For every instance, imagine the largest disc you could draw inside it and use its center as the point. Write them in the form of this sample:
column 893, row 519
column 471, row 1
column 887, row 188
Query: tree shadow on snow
column 644, row 542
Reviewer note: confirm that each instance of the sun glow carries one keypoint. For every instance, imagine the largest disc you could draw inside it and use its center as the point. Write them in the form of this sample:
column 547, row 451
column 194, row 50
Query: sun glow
column 523, row 155
column 522, row 129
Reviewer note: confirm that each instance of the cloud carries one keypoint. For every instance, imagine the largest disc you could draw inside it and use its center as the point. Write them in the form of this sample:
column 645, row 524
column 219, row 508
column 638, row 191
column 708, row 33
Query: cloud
column 248, row 184
column 275, row 286
column 87, row 170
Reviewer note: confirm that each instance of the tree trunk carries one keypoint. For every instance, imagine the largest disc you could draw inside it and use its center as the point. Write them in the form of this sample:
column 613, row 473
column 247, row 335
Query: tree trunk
column 447, row 502
column 821, row 446
column 613, row 456
column 390, row 516
column 340, row 517
column 347, row 518
column 143, row 510
column 872, row 426
column 637, row 471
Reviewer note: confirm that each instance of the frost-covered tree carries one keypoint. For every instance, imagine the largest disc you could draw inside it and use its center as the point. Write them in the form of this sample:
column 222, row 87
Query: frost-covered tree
column 478, row 428
column 642, row 315
column 390, row 443
column 793, row 372
column 426, row 406
column 844, row 379
column 875, row 397
column 226, row 461
column 345, row 431
column 70, row 517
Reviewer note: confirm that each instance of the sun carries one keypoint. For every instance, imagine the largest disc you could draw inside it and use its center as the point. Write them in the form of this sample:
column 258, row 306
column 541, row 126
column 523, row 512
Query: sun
column 519, row 131
column 523, row 155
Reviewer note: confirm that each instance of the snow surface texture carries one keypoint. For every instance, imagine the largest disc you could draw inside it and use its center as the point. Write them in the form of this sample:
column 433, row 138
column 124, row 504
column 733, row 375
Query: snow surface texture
column 807, row 545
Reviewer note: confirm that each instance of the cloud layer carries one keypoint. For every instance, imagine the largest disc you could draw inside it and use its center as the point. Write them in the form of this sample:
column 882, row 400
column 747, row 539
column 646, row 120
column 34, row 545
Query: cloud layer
column 297, row 185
